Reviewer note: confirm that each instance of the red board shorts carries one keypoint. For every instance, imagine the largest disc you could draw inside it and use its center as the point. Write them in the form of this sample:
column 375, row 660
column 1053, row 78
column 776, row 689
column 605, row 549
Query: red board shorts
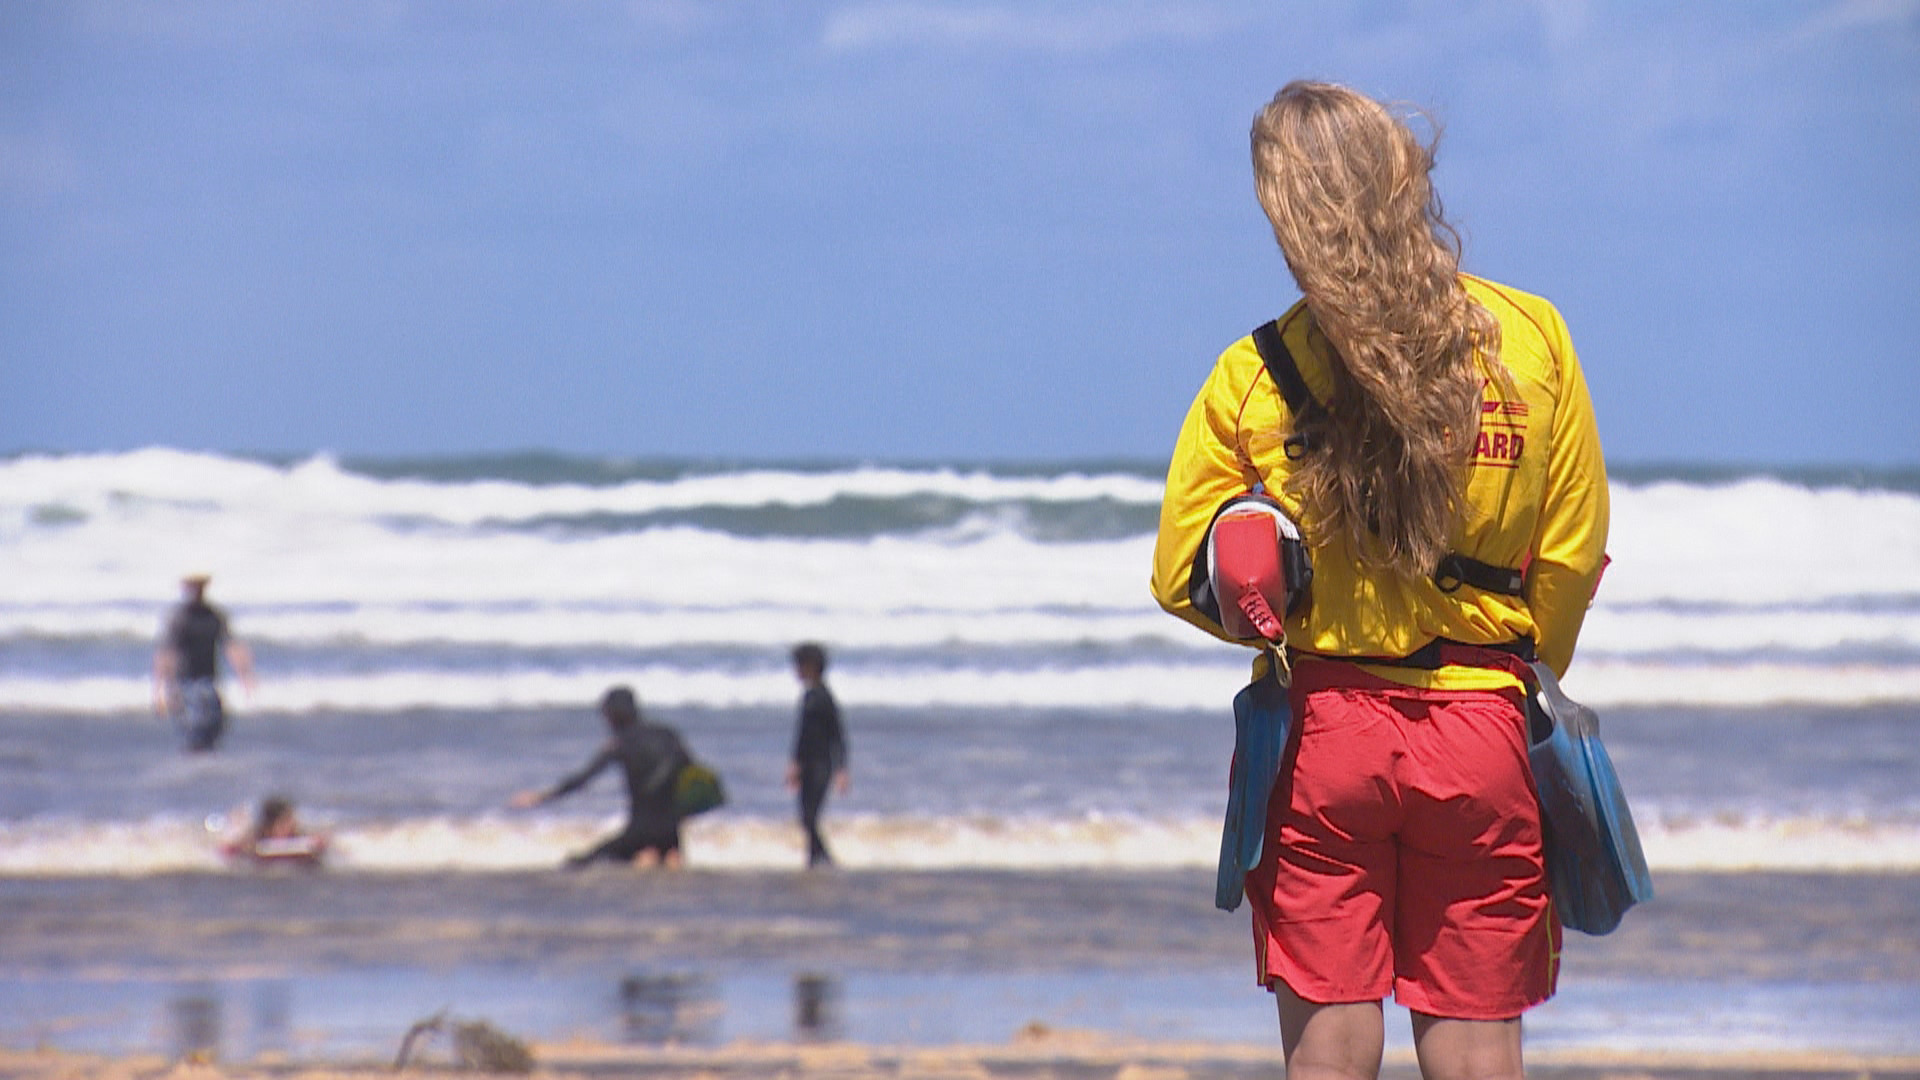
column 1404, row 852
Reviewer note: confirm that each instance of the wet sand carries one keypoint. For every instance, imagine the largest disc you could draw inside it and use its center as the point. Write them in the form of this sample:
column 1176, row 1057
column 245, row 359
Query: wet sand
column 1810, row 927
column 1038, row 1056
column 871, row 934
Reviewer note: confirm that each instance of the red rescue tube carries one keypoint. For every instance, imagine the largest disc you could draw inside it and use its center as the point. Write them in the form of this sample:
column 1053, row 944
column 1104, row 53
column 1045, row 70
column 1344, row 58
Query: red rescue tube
column 1248, row 578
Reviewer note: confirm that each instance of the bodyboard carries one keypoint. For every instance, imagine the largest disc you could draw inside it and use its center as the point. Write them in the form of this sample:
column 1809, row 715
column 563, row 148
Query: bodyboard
column 1262, row 720
column 303, row 850
column 1595, row 866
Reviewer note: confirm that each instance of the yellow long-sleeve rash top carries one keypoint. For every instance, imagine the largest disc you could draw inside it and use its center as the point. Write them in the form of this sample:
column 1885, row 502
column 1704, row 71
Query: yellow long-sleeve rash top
column 1536, row 497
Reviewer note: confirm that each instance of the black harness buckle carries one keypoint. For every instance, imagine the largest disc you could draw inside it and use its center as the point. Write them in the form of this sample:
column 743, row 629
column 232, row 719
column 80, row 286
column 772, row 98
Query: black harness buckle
column 1455, row 569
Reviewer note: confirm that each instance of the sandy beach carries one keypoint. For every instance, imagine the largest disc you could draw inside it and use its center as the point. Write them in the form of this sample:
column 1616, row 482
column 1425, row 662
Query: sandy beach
column 913, row 974
column 1038, row 1056
column 1840, row 926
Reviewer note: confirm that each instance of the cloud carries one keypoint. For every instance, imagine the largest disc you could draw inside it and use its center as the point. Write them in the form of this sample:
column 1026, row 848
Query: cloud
column 1099, row 28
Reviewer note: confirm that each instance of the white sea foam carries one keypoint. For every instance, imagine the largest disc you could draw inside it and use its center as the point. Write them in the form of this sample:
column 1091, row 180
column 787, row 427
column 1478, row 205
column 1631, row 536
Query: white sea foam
column 115, row 528
column 1761, row 542
column 1794, row 843
column 104, row 484
column 1611, row 631
column 313, row 555
column 1168, row 686
column 1203, row 685
column 632, row 627
column 733, row 842
column 356, row 564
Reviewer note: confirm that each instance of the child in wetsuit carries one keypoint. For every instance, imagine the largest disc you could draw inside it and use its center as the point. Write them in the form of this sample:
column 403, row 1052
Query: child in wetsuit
column 819, row 748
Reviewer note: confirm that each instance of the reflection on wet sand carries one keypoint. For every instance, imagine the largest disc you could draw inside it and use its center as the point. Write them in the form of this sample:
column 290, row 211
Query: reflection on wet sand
column 656, row 1008
column 194, row 1027
column 173, row 964
column 687, row 1009
column 816, row 1007
column 197, row 1027
column 675, row 1007
column 272, row 1029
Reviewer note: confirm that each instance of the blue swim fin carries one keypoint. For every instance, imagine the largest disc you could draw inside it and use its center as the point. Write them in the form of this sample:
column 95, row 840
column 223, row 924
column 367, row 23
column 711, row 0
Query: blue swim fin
column 1594, row 863
column 1262, row 720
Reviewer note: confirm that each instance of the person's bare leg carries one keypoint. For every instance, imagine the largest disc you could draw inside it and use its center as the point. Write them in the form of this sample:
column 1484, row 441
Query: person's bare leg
column 646, row 859
column 1467, row 1049
column 673, row 861
column 1330, row 1042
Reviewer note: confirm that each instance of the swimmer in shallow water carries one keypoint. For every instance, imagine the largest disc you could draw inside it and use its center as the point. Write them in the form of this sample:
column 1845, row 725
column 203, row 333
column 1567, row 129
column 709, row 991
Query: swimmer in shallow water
column 276, row 836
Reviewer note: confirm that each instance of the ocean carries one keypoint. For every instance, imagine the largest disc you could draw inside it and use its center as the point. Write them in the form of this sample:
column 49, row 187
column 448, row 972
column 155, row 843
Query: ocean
column 431, row 635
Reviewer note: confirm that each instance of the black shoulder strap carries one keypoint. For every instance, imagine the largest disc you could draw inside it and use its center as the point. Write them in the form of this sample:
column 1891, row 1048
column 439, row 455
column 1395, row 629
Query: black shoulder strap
column 1293, row 389
column 1455, row 569
column 1285, row 373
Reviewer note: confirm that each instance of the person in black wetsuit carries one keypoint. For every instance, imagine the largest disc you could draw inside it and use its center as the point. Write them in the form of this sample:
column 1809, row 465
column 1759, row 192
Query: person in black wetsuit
column 652, row 756
column 819, row 748
column 186, row 666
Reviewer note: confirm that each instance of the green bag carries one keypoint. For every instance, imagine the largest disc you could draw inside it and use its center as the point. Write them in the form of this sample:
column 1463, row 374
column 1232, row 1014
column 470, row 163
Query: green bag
column 697, row 790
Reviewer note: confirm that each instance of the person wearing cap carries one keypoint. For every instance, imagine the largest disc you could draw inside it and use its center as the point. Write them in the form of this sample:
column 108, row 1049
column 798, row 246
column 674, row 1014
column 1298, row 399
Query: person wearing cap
column 186, row 666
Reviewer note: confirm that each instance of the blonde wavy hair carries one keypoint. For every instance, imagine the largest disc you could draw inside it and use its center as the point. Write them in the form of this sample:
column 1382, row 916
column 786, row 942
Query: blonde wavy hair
column 1345, row 184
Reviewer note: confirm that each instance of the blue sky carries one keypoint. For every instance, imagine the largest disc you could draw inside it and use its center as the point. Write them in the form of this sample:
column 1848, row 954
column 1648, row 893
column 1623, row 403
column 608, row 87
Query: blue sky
column 910, row 230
